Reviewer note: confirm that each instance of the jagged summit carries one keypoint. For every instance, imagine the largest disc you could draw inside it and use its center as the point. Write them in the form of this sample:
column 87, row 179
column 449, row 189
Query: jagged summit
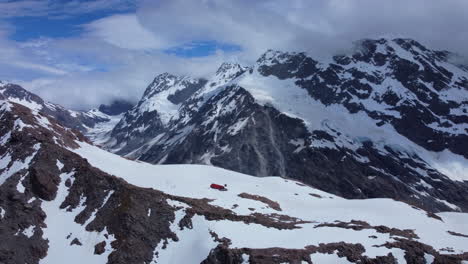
column 229, row 68
column 160, row 82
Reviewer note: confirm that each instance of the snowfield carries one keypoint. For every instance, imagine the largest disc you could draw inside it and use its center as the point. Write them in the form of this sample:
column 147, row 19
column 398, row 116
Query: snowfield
column 294, row 199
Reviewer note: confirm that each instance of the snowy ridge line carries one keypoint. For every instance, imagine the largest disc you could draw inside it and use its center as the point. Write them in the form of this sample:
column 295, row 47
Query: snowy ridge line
column 337, row 215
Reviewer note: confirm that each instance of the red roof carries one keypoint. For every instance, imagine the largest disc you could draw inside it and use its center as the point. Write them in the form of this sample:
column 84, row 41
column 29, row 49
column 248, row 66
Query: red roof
column 217, row 186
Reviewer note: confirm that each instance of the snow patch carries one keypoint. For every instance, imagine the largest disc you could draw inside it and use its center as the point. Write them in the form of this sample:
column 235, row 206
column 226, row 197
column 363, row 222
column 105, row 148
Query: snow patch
column 328, row 258
column 5, row 138
column 17, row 165
column 29, row 232
column 59, row 165
column 2, row 213
column 29, row 104
column 60, row 235
column 194, row 244
column 428, row 258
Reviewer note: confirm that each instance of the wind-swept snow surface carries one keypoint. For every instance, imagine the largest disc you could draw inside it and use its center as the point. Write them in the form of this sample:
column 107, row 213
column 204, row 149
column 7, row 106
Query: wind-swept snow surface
column 320, row 211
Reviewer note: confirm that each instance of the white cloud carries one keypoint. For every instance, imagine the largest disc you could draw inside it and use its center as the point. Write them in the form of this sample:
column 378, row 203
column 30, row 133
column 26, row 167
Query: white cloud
column 317, row 26
column 125, row 31
column 38, row 67
column 127, row 76
column 119, row 55
column 13, row 56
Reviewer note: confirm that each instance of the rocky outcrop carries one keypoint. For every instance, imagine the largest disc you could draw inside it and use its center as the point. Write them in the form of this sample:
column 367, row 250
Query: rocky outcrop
column 354, row 253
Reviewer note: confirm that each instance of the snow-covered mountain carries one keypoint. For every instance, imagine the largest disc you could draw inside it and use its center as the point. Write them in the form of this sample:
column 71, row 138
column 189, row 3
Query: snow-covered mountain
column 387, row 120
column 65, row 200
column 95, row 123
column 158, row 106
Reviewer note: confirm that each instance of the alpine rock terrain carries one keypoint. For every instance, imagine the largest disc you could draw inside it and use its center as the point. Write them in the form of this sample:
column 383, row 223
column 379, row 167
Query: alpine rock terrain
column 94, row 122
column 64, row 200
column 388, row 120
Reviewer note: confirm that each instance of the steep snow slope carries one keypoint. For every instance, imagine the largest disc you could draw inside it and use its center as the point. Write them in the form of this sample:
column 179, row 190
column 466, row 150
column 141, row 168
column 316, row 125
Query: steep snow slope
column 295, row 200
column 388, row 120
column 61, row 198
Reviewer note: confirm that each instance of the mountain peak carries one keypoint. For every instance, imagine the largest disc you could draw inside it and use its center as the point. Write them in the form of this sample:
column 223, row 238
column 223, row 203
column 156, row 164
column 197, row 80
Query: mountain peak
column 160, row 83
column 165, row 75
column 408, row 43
column 228, row 66
column 18, row 94
column 228, row 71
column 270, row 55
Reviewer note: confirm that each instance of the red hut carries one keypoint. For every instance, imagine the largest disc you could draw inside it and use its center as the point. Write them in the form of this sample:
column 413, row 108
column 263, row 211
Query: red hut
column 218, row 187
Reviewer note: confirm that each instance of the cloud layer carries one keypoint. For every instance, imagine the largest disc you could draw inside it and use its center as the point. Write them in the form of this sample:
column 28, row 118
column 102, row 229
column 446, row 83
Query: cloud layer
column 118, row 55
column 307, row 25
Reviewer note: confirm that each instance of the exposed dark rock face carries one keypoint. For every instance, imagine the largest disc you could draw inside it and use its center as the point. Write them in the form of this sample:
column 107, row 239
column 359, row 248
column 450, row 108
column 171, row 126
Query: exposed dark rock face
column 117, row 107
column 415, row 252
column 417, row 96
column 396, row 86
column 360, row 225
column 272, row 204
column 100, row 248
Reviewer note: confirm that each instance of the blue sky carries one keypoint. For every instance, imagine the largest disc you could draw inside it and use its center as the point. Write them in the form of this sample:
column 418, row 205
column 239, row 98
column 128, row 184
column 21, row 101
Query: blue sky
column 94, row 47
column 31, row 28
column 85, row 52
